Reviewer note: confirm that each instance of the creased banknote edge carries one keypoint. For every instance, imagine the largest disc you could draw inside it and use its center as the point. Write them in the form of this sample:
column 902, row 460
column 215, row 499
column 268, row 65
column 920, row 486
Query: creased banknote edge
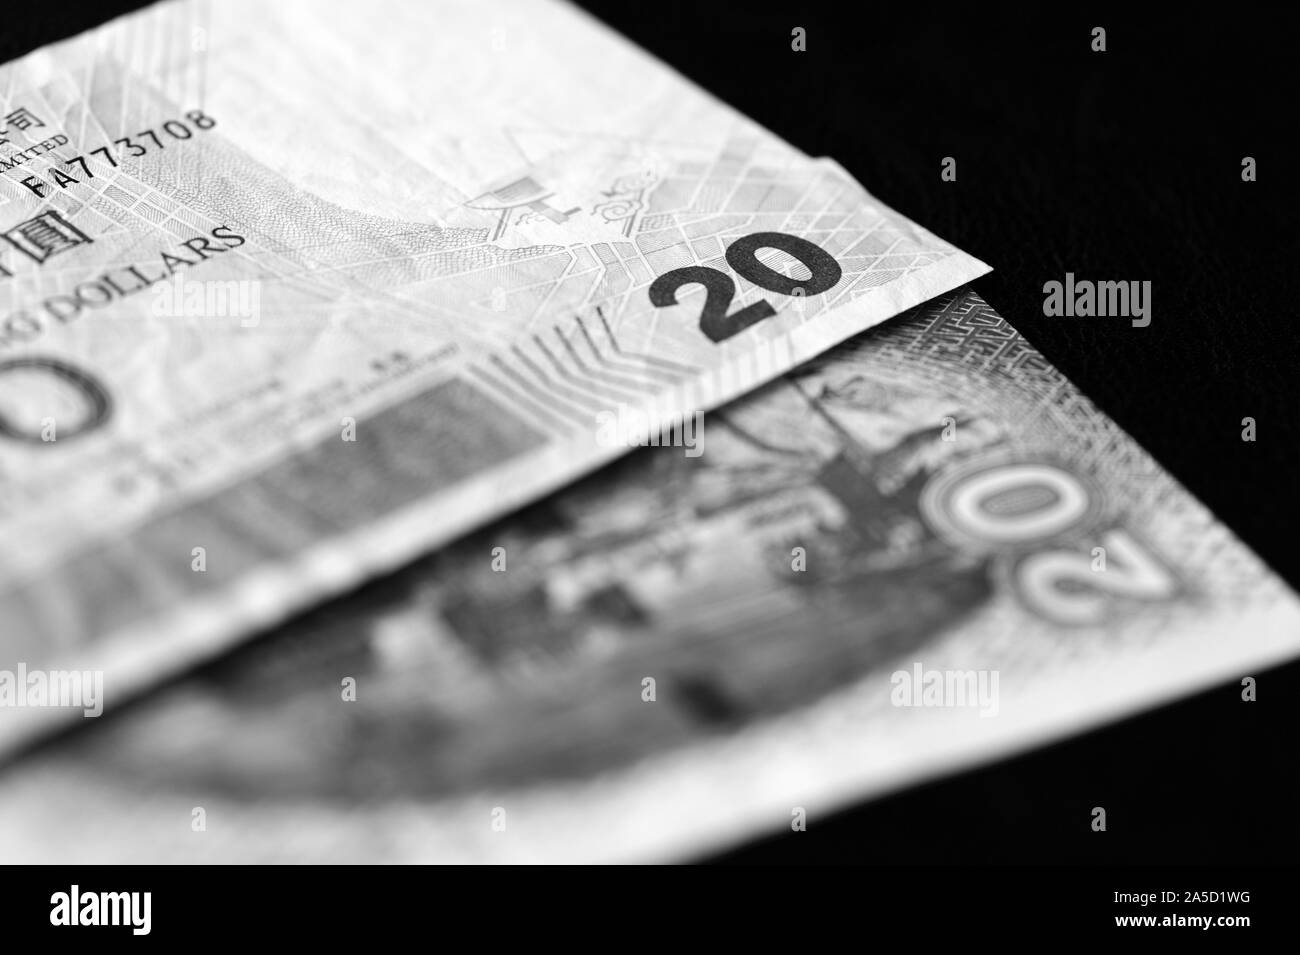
column 1282, row 645
column 140, row 657
column 1063, row 724
column 716, row 813
column 1274, row 640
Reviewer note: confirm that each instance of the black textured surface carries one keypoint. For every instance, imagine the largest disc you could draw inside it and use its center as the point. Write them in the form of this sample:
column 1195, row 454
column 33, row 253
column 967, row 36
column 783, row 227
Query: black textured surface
column 1116, row 165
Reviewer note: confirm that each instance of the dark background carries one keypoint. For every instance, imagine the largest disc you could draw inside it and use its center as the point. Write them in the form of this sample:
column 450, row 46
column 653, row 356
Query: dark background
column 1123, row 165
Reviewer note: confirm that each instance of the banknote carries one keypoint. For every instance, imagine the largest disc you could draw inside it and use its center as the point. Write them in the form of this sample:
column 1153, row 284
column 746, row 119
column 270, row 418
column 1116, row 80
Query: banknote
column 291, row 293
column 921, row 551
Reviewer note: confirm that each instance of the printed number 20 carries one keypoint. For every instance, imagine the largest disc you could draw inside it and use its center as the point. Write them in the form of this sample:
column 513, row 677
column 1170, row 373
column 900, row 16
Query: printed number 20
column 742, row 256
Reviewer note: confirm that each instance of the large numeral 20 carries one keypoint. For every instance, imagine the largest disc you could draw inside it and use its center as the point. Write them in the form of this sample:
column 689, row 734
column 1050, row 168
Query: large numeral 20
column 742, row 256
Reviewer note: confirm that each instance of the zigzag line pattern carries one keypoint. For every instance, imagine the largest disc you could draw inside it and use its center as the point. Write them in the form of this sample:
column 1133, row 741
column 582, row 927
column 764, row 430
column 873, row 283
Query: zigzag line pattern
column 560, row 388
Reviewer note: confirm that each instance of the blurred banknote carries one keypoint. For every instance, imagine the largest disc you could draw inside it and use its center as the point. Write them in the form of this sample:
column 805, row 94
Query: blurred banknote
column 291, row 293
column 917, row 552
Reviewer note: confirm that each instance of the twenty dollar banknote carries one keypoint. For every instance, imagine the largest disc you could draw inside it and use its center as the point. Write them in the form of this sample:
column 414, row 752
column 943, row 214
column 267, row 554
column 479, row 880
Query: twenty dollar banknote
column 291, row 293
column 919, row 552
